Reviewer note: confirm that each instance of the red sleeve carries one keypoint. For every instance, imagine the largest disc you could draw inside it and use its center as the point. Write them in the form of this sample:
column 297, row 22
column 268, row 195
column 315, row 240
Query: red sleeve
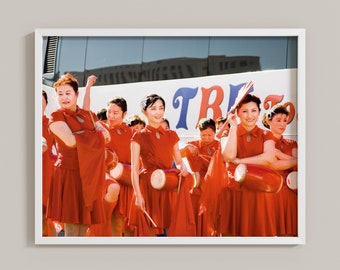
column 136, row 137
column 269, row 136
column 91, row 155
column 292, row 143
column 57, row 116
column 174, row 137
column 194, row 143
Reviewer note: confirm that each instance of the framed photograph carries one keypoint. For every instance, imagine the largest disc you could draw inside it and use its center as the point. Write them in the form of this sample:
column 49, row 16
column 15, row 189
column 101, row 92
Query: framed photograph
column 247, row 190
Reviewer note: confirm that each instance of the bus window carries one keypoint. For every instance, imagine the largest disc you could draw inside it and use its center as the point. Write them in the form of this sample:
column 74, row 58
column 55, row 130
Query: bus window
column 111, row 52
column 161, row 48
column 118, row 60
column 271, row 51
column 71, row 57
column 292, row 52
column 114, row 60
column 166, row 58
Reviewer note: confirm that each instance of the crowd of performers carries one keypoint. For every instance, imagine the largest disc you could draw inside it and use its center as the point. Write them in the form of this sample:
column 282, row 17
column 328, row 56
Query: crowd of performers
column 111, row 174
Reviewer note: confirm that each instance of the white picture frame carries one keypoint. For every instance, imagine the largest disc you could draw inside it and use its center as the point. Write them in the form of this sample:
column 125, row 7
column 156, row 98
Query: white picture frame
column 40, row 33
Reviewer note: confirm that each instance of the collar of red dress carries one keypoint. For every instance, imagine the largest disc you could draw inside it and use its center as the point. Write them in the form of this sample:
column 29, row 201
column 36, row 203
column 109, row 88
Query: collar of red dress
column 242, row 131
column 72, row 112
column 121, row 126
column 160, row 129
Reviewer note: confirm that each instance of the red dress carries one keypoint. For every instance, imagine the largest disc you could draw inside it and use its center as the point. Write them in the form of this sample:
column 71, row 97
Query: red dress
column 48, row 159
column 78, row 180
column 286, row 200
column 200, row 163
column 169, row 209
column 244, row 212
column 120, row 143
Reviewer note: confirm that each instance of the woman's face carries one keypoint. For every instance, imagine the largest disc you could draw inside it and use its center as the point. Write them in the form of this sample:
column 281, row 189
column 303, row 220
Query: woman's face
column 207, row 136
column 165, row 125
column 248, row 114
column 278, row 123
column 67, row 97
column 115, row 114
column 155, row 113
column 219, row 126
column 137, row 127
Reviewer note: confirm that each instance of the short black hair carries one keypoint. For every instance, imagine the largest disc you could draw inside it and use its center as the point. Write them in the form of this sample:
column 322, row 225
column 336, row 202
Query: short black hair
column 150, row 100
column 120, row 102
column 101, row 114
column 206, row 123
column 250, row 98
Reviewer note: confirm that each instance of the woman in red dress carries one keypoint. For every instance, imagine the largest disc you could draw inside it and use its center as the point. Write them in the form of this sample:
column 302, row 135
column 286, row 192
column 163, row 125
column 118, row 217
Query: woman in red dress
column 199, row 154
column 285, row 162
column 48, row 159
column 286, row 206
column 242, row 211
column 76, row 189
column 121, row 135
column 156, row 210
column 117, row 193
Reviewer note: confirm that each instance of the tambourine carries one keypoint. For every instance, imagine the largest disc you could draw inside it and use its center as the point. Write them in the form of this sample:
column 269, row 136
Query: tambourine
column 258, row 178
column 292, row 180
column 169, row 179
column 122, row 173
column 44, row 142
column 165, row 179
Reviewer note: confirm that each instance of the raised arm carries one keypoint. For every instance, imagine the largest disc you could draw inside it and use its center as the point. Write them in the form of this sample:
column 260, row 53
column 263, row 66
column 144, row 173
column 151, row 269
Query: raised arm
column 229, row 145
column 91, row 80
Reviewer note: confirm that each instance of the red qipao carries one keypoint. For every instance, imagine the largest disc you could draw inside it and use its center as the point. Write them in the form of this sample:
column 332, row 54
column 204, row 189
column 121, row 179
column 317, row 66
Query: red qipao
column 120, row 143
column 78, row 181
column 286, row 200
column 48, row 159
column 169, row 209
column 241, row 211
column 200, row 163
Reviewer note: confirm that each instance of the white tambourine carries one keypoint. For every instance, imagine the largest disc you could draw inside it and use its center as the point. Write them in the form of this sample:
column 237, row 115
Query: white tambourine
column 292, row 180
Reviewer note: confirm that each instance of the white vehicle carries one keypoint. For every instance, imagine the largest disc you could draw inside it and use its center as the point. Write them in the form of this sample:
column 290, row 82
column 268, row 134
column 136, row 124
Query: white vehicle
column 197, row 76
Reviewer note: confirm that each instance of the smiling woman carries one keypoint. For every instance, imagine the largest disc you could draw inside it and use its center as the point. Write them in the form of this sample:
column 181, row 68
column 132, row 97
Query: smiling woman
column 77, row 183
column 156, row 148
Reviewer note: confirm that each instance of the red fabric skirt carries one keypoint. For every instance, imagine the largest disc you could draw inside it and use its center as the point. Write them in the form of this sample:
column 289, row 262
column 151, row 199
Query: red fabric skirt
column 169, row 210
column 286, row 211
column 47, row 174
column 66, row 203
column 243, row 212
column 122, row 209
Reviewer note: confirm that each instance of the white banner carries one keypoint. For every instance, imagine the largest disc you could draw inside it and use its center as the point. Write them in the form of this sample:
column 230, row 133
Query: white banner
column 188, row 100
